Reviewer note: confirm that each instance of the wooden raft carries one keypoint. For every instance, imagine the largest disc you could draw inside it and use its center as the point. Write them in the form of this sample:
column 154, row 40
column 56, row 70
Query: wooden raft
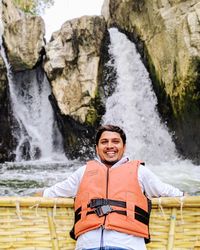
column 44, row 223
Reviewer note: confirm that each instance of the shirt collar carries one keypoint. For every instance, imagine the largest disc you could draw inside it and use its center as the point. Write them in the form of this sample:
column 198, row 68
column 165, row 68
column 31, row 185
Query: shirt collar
column 120, row 162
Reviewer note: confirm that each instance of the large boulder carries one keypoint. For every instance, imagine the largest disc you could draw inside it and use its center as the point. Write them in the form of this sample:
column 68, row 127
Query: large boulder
column 23, row 37
column 24, row 41
column 168, row 37
column 74, row 67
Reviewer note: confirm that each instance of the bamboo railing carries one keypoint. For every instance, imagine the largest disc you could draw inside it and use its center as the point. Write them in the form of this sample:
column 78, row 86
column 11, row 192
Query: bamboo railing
column 175, row 223
column 44, row 223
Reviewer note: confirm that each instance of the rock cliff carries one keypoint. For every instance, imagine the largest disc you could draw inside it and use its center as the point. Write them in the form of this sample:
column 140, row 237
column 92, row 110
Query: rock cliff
column 167, row 35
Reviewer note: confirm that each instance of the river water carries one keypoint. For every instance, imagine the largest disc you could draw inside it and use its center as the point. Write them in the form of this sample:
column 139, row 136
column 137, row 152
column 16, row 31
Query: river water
column 26, row 178
column 133, row 107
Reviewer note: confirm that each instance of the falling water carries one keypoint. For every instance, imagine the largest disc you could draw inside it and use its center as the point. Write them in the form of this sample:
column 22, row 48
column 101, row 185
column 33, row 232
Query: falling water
column 32, row 109
column 36, row 132
column 133, row 107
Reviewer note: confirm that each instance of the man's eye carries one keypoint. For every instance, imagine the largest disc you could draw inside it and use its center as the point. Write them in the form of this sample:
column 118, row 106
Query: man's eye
column 116, row 141
column 103, row 142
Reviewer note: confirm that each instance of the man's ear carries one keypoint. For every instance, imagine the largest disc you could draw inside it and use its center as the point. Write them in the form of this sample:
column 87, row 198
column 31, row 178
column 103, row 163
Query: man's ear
column 96, row 148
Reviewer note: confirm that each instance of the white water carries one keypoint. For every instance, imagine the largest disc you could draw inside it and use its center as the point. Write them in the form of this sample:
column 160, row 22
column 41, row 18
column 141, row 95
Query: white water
column 32, row 109
column 36, row 131
column 133, row 107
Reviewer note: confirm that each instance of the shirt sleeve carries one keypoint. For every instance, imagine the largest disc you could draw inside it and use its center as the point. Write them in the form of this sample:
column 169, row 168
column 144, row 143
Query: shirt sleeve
column 153, row 186
column 66, row 188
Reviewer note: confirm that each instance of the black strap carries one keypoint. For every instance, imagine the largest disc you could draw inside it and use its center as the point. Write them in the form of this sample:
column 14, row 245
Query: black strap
column 116, row 211
column 77, row 216
column 102, row 202
column 142, row 219
column 141, row 211
column 141, row 215
column 148, row 239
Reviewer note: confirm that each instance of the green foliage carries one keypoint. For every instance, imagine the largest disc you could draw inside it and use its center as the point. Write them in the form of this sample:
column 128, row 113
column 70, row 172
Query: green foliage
column 91, row 117
column 33, row 6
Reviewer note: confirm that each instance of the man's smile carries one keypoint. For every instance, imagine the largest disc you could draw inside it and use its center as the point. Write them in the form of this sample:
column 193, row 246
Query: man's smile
column 111, row 153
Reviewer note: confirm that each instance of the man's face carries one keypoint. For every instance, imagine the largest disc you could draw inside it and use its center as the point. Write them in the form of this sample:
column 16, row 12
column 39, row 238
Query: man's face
column 110, row 147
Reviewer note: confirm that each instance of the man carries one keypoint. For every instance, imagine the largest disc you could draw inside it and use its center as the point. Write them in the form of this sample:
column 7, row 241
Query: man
column 111, row 210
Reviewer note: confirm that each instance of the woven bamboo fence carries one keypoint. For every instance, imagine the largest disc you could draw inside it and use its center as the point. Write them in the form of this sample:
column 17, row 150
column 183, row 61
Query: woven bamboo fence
column 44, row 223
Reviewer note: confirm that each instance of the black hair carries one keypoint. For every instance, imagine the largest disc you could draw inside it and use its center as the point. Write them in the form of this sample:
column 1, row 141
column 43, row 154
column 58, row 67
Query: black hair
column 111, row 128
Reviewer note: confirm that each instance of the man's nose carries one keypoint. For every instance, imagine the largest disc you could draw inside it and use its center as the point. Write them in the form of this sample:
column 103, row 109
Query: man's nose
column 110, row 144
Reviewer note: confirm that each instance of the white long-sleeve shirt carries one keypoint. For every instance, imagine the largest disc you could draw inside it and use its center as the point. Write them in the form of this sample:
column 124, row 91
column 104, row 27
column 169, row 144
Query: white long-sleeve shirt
column 149, row 183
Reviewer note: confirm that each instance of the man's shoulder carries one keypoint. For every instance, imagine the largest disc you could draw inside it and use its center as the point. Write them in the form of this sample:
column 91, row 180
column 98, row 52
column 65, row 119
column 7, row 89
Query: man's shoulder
column 136, row 162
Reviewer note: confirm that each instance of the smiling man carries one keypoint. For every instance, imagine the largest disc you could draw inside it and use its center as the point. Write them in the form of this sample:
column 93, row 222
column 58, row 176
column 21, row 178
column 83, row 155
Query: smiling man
column 112, row 195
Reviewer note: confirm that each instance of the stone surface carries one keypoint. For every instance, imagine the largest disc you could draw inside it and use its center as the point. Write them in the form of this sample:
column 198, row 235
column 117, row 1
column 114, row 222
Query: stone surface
column 72, row 66
column 24, row 41
column 23, row 36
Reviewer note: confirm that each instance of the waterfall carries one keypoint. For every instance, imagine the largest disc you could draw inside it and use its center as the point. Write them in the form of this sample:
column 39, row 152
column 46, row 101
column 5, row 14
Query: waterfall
column 133, row 107
column 35, row 131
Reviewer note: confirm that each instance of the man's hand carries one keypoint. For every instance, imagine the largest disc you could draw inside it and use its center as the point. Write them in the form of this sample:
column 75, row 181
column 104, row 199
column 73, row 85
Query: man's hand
column 38, row 194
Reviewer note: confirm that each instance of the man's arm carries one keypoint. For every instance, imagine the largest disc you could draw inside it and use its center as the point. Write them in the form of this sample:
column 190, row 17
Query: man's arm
column 66, row 188
column 153, row 186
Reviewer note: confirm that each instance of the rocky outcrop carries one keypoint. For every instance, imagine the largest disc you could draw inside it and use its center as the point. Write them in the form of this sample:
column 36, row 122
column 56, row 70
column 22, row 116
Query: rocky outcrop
column 23, row 37
column 24, row 41
column 167, row 35
column 74, row 67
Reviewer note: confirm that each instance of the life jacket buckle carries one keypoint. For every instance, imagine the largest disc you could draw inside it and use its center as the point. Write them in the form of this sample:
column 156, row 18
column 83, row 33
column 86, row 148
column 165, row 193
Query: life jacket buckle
column 103, row 210
column 94, row 203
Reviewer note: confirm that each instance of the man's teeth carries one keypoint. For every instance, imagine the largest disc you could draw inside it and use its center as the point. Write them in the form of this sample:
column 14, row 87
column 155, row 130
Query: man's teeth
column 110, row 153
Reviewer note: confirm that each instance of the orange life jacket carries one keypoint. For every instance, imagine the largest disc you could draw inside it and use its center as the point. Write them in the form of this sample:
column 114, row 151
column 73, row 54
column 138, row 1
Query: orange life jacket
column 112, row 198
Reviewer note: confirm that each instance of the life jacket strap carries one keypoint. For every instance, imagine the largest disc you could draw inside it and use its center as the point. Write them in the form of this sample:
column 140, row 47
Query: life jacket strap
column 102, row 207
column 94, row 203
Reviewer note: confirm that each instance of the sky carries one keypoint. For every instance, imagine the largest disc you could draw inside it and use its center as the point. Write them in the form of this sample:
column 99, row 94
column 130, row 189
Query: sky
column 64, row 10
